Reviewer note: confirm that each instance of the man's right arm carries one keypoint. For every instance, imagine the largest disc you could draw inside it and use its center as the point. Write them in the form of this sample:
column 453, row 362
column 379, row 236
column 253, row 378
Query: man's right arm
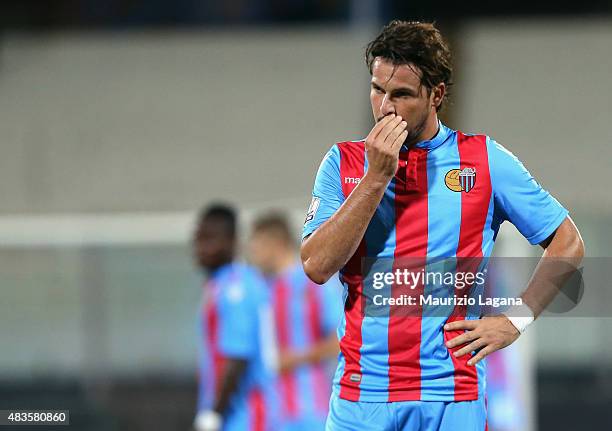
column 330, row 247
column 237, row 335
column 212, row 420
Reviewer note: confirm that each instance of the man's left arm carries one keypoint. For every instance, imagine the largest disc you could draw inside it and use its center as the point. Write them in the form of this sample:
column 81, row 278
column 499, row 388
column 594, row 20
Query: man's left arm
column 542, row 220
column 562, row 250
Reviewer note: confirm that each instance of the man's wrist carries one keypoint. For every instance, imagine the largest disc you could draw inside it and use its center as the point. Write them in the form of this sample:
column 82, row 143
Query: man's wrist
column 208, row 420
column 301, row 358
column 375, row 180
column 521, row 316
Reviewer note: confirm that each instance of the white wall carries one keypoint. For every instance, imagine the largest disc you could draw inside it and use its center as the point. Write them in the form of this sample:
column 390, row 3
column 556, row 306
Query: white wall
column 138, row 122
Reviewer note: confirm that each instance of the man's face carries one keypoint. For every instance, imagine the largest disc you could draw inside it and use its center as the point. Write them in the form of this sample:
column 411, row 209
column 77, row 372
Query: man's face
column 397, row 89
column 213, row 245
column 263, row 251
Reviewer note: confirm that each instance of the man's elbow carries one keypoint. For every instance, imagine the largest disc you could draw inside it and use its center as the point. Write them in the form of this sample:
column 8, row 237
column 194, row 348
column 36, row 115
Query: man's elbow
column 579, row 247
column 314, row 272
column 314, row 263
column 576, row 243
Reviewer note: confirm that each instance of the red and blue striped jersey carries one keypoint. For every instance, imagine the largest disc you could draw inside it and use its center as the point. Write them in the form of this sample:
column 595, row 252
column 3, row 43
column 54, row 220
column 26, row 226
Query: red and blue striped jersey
column 304, row 314
column 447, row 200
column 237, row 322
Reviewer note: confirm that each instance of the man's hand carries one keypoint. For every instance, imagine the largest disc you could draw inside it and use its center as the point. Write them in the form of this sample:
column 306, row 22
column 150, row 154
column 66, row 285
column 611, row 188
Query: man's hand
column 288, row 361
column 207, row 420
column 485, row 335
column 383, row 144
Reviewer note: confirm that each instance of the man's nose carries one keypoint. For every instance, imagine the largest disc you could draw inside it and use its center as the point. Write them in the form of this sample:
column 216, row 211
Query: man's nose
column 387, row 106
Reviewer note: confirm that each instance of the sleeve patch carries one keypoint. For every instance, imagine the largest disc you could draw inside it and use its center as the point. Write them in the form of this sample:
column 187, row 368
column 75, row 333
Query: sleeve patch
column 312, row 209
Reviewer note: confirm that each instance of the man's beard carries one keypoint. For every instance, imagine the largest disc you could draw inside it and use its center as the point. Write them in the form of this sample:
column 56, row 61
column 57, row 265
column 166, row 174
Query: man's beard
column 414, row 134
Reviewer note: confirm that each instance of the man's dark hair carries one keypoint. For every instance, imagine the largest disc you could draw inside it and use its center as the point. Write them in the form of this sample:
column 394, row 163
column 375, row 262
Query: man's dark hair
column 416, row 43
column 223, row 213
column 275, row 223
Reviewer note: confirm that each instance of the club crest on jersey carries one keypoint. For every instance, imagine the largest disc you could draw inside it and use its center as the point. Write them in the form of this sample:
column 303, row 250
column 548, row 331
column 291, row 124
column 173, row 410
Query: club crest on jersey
column 461, row 180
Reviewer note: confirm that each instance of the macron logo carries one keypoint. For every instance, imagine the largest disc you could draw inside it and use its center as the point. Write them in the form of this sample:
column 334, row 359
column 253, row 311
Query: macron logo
column 351, row 180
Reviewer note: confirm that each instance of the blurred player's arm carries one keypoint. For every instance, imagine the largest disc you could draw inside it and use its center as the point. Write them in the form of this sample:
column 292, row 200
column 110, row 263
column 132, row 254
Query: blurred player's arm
column 212, row 420
column 330, row 305
column 329, row 247
column 324, row 349
column 238, row 329
column 232, row 374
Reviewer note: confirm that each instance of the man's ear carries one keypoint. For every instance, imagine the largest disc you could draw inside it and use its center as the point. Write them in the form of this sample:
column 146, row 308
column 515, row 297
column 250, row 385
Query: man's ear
column 437, row 94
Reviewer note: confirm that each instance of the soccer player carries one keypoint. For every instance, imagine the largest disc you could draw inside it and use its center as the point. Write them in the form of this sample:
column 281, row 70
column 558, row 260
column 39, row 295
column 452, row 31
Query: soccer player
column 235, row 371
column 414, row 188
column 306, row 317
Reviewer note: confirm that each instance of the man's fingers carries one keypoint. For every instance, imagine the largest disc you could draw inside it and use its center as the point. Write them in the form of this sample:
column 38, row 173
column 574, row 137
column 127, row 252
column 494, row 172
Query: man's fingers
column 388, row 128
column 393, row 135
column 466, row 337
column 474, row 345
column 461, row 324
column 379, row 126
column 388, row 131
column 399, row 141
column 481, row 355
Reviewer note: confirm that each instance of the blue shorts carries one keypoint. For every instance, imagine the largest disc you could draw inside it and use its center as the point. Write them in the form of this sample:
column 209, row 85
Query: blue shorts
column 406, row 416
column 313, row 423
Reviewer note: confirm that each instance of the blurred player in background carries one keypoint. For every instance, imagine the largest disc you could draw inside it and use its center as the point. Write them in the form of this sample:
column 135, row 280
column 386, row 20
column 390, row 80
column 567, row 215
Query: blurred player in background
column 237, row 341
column 417, row 189
column 306, row 317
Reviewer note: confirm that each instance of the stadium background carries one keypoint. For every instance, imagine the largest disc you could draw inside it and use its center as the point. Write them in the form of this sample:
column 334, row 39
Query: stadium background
column 119, row 119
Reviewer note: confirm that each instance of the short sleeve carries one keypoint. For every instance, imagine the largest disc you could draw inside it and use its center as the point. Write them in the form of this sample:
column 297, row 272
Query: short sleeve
column 331, row 293
column 237, row 320
column 327, row 193
column 520, row 199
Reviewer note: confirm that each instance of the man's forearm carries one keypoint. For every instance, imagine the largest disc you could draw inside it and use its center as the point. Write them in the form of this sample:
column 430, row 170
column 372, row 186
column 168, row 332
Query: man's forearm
column 329, row 248
column 561, row 257
column 234, row 369
column 321, row 350
column 324, row 349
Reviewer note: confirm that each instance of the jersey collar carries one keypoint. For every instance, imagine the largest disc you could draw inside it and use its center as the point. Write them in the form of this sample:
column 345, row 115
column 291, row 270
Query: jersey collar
column 436, row 141
column 216, row 273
